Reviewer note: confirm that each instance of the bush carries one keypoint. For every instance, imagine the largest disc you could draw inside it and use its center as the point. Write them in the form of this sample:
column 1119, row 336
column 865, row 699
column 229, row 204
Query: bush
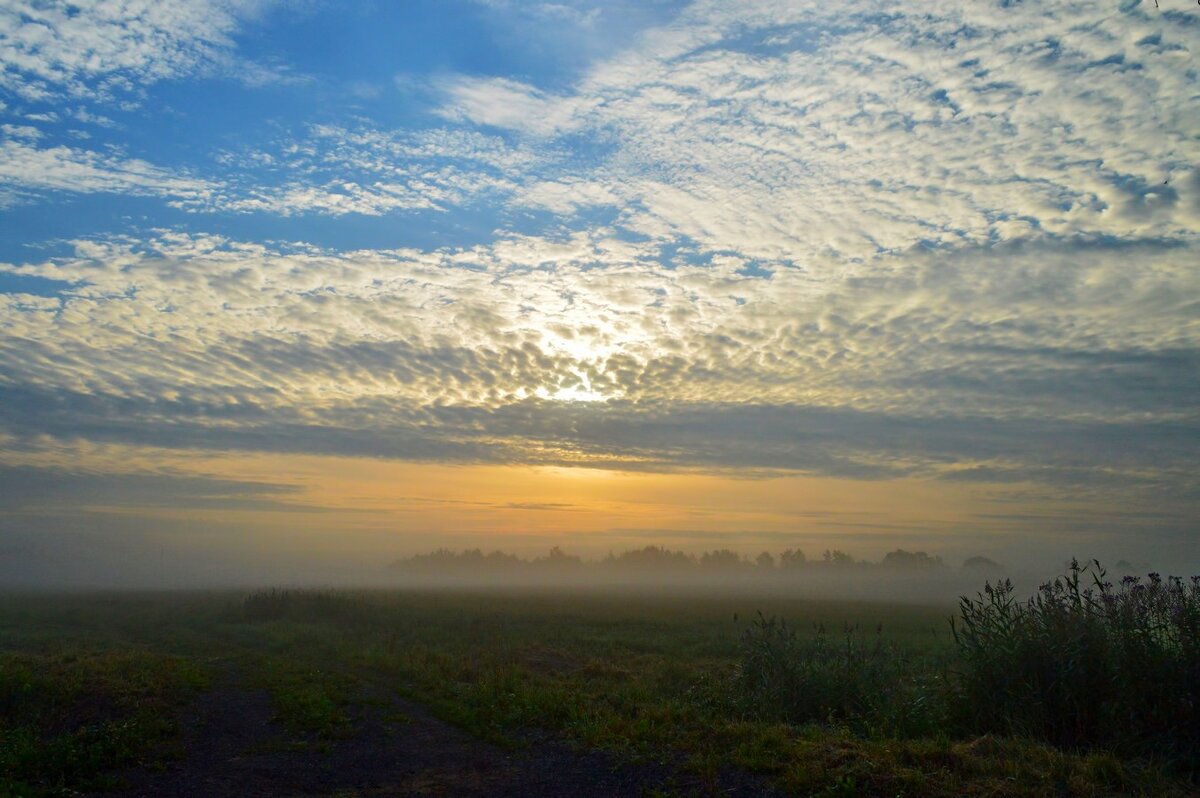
column 855, row 679
column 1086, row 663
column 308, row 606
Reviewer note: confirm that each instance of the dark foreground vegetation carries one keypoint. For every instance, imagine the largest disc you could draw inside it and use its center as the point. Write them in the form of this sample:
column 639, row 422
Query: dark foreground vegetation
column 1089, row 688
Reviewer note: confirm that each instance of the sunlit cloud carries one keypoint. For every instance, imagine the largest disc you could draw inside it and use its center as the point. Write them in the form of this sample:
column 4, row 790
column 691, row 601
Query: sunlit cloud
column 26, row 168
column 108, row 48
column 465, row 354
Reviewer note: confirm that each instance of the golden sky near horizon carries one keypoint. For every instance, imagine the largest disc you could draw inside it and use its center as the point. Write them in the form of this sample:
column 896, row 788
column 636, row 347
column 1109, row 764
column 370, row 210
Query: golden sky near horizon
column 362, row 510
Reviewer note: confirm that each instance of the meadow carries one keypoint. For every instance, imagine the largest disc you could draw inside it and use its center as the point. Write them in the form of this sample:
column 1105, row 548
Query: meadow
column 667, row 693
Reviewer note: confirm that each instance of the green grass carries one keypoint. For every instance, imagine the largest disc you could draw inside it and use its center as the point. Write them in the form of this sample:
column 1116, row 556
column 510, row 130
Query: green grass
column 647, row 677
column 309, row 700
column 68, row 719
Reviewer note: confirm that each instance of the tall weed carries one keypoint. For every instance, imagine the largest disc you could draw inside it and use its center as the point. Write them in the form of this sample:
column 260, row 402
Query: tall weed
column 1086, row 663
column 854, row 678
column 304, row 605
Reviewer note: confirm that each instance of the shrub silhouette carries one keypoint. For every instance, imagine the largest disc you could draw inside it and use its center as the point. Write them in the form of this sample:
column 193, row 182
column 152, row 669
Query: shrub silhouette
column 1086, row 663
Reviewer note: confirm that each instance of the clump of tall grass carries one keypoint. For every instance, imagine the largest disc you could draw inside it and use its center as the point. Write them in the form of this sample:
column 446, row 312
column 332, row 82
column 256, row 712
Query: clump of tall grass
column 1086, row 663
column 304, row 605
column 855, row 678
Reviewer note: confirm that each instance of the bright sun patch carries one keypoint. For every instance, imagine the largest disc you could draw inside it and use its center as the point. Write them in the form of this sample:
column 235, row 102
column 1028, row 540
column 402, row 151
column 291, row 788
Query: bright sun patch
column 576, row 393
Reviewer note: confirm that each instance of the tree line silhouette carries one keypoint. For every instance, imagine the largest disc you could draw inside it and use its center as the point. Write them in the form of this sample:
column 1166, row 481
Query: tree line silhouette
column 660, row 559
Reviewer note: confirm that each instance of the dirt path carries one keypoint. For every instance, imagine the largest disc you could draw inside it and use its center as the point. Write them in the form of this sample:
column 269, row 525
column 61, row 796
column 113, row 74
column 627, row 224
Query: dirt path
column 233, row 746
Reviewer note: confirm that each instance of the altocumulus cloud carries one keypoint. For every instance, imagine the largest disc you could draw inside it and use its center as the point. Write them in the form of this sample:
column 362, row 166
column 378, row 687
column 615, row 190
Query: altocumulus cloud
column 468, row 355
column 112, row 47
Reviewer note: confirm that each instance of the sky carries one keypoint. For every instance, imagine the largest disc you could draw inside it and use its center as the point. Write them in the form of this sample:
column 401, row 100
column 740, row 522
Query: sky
column 316, row 285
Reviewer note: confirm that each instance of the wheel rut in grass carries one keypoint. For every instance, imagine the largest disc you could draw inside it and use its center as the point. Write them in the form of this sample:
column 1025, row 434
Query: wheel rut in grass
column 231, row 743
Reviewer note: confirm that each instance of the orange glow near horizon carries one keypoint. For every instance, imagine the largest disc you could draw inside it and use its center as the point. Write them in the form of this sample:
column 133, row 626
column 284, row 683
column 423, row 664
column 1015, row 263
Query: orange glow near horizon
column 357, row 506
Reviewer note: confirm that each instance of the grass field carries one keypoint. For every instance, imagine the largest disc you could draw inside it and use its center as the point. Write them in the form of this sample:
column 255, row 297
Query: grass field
column 93, row 687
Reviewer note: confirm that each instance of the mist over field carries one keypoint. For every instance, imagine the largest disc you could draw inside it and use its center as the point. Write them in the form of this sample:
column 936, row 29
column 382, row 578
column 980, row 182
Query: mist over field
column 898, row 576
